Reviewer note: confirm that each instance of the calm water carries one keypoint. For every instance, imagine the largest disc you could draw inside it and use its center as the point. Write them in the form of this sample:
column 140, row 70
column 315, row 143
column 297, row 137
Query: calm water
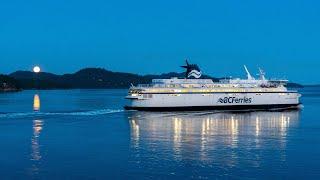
column 85, row 134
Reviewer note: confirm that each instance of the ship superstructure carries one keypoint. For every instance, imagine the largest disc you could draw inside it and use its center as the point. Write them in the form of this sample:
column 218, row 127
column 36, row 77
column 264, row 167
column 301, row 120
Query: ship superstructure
column 193, row 93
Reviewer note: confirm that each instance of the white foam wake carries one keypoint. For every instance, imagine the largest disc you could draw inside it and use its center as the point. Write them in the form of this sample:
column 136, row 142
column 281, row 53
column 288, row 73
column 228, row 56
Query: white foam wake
column 73, row 113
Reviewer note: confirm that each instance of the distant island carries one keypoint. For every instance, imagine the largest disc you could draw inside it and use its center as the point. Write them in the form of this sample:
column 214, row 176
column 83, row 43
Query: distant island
column 88, row 78
column 312, row 85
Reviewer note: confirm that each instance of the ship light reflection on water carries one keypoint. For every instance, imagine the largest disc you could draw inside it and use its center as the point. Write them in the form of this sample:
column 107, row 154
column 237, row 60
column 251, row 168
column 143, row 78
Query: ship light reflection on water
column 209, row 134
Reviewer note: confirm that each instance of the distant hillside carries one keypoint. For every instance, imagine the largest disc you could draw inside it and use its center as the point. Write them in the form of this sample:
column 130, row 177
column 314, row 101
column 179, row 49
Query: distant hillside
column 314, row 85
column 8, row 84
column 86, row 78
column 92, row 78
column 294, row 85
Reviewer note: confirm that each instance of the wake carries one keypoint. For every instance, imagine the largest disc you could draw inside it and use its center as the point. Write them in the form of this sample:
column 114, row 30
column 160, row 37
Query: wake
column 72, row 113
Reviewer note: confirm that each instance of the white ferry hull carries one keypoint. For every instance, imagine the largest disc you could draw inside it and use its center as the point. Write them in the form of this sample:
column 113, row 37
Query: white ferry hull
column 213, row 101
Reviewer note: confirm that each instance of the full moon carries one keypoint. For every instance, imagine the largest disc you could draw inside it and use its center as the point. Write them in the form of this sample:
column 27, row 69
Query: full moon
column 36, row 69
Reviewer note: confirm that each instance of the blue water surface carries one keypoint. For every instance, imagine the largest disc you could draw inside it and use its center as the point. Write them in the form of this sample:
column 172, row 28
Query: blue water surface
column 86, row 134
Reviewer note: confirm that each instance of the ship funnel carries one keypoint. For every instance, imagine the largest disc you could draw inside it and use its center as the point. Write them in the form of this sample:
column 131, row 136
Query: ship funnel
column 248, row 73
column 192, row 70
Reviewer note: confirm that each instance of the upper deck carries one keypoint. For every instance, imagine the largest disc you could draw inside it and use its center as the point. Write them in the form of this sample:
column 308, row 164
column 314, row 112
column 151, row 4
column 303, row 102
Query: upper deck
column 188, row 85
column 175, row 85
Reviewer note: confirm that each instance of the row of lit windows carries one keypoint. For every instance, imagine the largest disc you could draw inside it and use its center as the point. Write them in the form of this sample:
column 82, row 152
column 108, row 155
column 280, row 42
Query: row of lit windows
column 150, row 95
column 162, row 90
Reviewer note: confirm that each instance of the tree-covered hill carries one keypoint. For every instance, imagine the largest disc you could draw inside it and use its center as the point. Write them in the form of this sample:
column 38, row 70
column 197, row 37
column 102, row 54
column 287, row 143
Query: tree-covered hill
column 89, row 78
column 86, row 78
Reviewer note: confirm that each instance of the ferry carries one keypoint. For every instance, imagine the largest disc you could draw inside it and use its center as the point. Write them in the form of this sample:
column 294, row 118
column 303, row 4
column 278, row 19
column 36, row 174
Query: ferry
column 193, row 93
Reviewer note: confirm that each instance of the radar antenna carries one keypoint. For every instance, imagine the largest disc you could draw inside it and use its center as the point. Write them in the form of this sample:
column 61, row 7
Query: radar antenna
column 262, row 74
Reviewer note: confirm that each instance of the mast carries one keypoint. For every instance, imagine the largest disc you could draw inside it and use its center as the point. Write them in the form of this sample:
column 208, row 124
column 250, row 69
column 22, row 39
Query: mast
column 248, row 73
column 261, row 74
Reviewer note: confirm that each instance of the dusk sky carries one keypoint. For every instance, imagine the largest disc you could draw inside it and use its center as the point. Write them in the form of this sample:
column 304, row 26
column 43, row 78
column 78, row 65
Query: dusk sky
column 156, row 36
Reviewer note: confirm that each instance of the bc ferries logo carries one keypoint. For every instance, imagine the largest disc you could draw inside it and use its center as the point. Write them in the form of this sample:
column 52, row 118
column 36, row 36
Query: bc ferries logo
column 230, row 100
column 193, row 70
column 195, row 73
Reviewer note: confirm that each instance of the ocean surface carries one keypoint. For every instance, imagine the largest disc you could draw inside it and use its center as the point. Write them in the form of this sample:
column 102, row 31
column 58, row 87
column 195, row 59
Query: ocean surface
column 86, row 134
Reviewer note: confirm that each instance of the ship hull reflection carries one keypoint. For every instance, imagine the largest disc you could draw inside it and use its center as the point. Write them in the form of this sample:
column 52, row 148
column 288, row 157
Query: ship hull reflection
column 212, row 137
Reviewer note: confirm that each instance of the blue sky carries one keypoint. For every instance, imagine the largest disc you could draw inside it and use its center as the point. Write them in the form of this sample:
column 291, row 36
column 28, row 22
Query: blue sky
column 156, row 36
